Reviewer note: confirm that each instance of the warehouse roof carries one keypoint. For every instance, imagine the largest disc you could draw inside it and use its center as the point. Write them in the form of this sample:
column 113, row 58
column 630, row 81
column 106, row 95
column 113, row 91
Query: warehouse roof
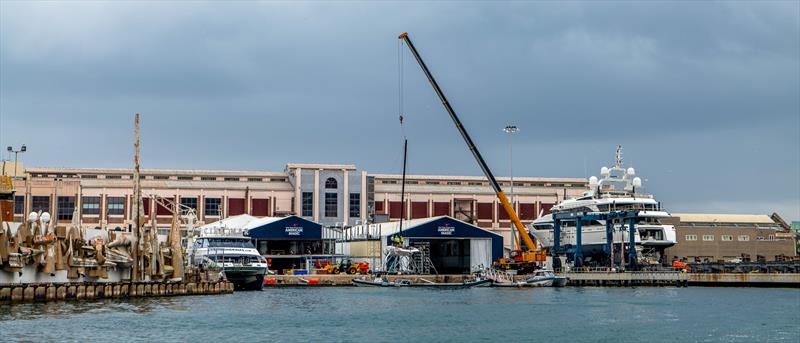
column 233, row 222
column 291, row 227
column 724, row 218
column 390, row 228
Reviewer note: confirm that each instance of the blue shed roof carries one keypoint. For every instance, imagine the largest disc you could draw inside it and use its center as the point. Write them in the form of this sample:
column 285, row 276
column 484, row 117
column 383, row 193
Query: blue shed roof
column 287, row 228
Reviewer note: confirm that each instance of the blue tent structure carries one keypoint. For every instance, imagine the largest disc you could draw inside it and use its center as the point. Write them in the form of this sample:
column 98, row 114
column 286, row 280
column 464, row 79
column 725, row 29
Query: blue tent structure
column 454, row 246
column 446, row 227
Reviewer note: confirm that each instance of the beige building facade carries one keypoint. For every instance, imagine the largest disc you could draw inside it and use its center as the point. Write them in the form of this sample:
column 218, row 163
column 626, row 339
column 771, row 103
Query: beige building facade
column 330, row 194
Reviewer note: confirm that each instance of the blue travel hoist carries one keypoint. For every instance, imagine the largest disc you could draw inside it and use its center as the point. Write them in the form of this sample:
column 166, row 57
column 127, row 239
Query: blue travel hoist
column 629, row 217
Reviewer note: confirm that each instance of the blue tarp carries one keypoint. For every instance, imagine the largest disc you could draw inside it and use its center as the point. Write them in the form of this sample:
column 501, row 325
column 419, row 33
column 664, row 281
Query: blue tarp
column 447, row 227
column 287, row 228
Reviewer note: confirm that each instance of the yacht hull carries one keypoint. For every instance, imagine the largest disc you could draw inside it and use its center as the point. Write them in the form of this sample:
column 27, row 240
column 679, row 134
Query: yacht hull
column 246, row 278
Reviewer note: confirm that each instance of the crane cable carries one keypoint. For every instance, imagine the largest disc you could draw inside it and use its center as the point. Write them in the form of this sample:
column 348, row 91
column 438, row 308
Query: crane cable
column 400, row 86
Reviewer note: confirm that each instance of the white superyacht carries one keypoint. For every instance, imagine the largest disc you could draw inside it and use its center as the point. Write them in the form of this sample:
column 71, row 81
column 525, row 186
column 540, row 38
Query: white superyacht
column 617, row 190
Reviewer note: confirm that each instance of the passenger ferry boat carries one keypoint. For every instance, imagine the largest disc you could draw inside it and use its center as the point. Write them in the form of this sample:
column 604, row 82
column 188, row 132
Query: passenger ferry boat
column 617, row 190
column 242, row 264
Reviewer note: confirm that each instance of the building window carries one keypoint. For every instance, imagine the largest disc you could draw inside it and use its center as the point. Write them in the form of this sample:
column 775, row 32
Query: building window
column 331, row 204
column 114, row 177
column 40, row 203
column 308, row 204
column 66, row 205
column 87, row 176
column 189, row 202
column 355, row 205
column 231, row 179
column 208, row 178
column 186, row 178
column 255, row 179
column 691, row 237
column 744, row 238
column 277, row 179
column 212, row 206
column 161, row 177
column 431, row 182
column 727, row 238
column 708, row 237
column 331, row 183
column 116, row 205
column 454, row 183
column 19, row 204
column 90, row 205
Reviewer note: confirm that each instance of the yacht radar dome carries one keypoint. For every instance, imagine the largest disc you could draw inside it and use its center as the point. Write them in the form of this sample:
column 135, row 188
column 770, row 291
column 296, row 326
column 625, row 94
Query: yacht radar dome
column 604, row 172
column 631, row 171
column 593, row 181
column 33, row 217
column 637, row 182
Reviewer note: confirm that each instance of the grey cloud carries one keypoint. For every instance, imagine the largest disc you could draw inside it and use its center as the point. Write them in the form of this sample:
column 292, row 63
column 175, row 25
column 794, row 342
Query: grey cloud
column 711, row 86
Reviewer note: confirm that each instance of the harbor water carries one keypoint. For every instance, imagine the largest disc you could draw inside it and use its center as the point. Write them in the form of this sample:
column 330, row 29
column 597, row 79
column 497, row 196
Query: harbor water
column 420, row 315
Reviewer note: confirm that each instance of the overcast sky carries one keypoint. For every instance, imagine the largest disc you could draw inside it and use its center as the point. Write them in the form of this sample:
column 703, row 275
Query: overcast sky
column 704, row 96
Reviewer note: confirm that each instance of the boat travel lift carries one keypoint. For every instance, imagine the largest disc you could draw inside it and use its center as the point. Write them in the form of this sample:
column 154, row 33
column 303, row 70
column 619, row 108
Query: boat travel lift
column 628, row 217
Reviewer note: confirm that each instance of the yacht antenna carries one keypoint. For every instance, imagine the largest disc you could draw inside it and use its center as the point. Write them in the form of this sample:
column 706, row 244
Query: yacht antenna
column 618, row 161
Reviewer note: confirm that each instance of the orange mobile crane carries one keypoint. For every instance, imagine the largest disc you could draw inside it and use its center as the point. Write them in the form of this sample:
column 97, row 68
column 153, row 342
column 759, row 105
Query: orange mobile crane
column 521, row 260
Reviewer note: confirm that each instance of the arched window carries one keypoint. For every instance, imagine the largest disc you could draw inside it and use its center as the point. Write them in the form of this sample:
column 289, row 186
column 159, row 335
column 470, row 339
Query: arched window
column 330, row 183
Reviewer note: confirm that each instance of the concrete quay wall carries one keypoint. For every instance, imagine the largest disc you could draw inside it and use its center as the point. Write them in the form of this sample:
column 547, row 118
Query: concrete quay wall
column 16, row 293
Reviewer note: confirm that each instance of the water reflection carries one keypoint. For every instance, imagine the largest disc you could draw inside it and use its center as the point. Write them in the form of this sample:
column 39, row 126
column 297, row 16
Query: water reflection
column 66, row 309
column 382, row 314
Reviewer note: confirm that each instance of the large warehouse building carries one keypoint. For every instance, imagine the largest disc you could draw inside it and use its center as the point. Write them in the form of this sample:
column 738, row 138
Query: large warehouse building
column 342, row 195
column 730, row 237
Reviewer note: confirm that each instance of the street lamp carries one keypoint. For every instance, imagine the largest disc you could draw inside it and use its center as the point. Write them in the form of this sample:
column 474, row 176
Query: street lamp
column 23, row 148
column 511, row 130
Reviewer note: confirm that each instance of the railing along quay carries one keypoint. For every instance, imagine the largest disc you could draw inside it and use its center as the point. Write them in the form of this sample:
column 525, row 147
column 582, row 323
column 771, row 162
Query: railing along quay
column 598, row 277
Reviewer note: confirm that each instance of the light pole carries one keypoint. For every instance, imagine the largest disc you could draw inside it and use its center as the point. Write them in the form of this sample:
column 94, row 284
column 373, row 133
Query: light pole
column 16, row 152
column 511, row 130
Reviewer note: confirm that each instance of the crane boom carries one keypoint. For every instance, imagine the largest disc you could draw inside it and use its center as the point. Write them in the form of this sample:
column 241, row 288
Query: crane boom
column 526, row 238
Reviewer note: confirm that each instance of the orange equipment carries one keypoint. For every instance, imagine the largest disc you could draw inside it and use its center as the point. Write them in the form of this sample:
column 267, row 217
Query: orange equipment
column 680, row 265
